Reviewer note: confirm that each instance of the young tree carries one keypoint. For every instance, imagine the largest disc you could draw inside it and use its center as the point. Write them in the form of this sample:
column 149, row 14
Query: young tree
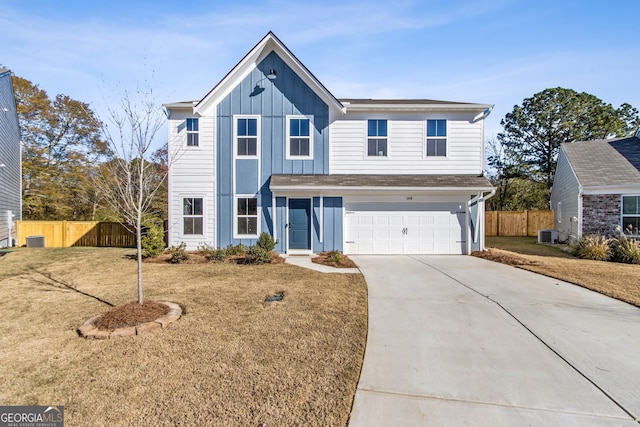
column 61, row 142
column 549, row 118
column 130, row 181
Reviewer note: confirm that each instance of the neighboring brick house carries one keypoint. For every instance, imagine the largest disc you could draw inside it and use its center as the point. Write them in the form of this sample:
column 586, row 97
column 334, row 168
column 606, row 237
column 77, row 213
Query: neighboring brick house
column 597, row 187
column 10, row 162
column 270, row 149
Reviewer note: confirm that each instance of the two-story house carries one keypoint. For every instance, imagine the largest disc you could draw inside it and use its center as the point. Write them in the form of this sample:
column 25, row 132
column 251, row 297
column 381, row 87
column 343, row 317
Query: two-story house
column 270, row 149
column 10, row 162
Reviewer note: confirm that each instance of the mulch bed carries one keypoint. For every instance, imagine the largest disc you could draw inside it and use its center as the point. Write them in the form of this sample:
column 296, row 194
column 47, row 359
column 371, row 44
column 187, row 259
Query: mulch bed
column 325, row 259
column 130, row 314
column 197, row 258
column 502, row 257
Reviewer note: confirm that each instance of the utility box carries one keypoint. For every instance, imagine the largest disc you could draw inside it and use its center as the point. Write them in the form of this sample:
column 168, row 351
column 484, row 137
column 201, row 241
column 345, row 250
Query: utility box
column 35, row 241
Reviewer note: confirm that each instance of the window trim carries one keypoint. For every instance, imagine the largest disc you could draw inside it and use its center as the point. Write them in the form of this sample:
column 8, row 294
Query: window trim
column 236, row 235
column 183, row 216
column 622, row 214
column 236, row 117
column 190, row 132
column 369, row 137
column 427, row 138
column 287, row 149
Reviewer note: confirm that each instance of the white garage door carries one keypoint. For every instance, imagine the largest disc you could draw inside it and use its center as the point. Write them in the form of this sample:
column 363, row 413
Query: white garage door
column 405, row 228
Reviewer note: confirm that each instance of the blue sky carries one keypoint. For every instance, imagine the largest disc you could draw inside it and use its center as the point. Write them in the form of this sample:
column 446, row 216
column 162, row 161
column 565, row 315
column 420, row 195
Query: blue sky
column 493, row 51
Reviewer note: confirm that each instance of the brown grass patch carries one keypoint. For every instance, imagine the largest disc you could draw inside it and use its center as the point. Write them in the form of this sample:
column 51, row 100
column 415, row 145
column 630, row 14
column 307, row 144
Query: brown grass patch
column 616, row 280
column 231, row 360
column 130, row 314
column 325, row 258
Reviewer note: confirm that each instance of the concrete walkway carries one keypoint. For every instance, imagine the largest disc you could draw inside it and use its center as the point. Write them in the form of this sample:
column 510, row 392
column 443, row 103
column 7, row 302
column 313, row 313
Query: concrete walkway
column 305, row 262
column 456, row 340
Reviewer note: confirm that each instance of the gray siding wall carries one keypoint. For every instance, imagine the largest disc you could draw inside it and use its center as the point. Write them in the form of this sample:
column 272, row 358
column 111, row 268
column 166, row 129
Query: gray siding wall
column 10, row 174
column 566, row 190
column 272, row 100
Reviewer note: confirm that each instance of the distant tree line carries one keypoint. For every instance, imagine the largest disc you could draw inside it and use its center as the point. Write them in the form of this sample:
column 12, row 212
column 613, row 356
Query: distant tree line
column 522, row 159
column 65, row 157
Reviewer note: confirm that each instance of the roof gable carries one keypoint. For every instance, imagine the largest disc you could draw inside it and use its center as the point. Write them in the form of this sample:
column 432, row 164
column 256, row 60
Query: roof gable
column 269, row 43
column 600, row 163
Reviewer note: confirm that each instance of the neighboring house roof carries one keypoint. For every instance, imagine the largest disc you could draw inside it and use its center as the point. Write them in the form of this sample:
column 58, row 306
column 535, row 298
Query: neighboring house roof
column 268, row 44
column 613, row 162
column 386, row 182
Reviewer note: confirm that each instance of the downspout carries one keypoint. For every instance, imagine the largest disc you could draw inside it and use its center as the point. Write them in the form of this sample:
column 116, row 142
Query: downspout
column 480, row 199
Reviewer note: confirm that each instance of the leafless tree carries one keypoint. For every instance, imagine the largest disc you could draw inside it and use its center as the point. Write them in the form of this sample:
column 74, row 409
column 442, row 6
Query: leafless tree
column 129, row 181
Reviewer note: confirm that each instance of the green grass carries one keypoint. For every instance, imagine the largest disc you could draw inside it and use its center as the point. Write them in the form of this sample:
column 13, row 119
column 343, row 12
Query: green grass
column 527, row 246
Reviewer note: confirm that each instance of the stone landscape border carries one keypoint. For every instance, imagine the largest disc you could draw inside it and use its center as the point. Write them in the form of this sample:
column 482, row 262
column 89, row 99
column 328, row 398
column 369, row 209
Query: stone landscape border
column 88, row 329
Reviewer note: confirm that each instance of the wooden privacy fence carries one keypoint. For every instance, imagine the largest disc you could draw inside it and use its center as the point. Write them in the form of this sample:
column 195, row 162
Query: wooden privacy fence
column 517, row 223
column 63, row 234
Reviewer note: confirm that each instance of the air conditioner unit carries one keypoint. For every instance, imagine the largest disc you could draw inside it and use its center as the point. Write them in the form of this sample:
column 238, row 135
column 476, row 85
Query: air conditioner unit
column 547, row 236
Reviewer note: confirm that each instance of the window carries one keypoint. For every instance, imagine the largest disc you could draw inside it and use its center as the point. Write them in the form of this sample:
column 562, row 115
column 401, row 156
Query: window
column 300, row 141
column 192, row 215
column 247, row 216
column 436, row 138
column 192, row 132
column 377, row 138
column 559, row 212
column 631, row 215
column 247, row 137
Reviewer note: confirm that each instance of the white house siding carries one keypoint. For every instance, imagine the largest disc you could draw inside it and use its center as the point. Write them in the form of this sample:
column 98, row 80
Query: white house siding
column 406, row 145
column 566, row 190
column 191, row 174
column 10, row 173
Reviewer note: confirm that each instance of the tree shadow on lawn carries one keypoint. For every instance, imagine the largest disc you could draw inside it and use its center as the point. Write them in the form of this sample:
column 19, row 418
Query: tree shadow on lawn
column 60, row 284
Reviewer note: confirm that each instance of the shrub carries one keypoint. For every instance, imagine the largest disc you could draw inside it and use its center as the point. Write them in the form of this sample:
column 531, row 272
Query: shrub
column 178, row 254
column 266, row 242
column 594, row 246
column 217, row 255
column 626, row 250
column 237, row 250
column 335, row 256
column 257, row 255
column 152, row 242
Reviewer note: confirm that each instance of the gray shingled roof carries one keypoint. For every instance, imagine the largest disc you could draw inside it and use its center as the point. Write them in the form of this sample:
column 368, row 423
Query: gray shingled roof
column 453, row 182
column 605, row 162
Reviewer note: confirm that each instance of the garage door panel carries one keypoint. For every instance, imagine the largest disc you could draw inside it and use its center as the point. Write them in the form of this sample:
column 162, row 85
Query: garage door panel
column 403, row 228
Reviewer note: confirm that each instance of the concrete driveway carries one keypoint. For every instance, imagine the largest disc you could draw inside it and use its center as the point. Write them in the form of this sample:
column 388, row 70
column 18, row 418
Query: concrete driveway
column 457, row 340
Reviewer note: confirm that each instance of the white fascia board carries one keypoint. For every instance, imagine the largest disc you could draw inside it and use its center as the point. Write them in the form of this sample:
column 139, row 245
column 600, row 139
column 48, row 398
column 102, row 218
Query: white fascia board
column 267, row 45
column 416, row 107
column 611, row 189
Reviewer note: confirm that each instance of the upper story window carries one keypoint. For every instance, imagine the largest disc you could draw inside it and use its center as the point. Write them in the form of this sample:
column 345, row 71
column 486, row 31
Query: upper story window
column 377, row 138
column 192, row 132
column 247, row 136
column 631, row 215
column 299, row 138
column 192, row 216
column 436, row 138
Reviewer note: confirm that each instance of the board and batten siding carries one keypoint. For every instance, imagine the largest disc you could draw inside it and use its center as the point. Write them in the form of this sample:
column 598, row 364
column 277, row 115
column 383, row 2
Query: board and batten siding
column 191, row 174
column 271, row 101
column 566, row 190
column 10, row 173
column 406, row 152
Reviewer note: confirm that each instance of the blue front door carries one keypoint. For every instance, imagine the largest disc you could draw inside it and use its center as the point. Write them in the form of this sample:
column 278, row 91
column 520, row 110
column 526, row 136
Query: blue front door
column 299, row 230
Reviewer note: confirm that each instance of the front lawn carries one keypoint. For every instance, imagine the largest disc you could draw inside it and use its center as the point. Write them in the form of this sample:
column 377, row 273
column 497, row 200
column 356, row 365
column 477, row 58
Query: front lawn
column 620, row 281
column 232, row 359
